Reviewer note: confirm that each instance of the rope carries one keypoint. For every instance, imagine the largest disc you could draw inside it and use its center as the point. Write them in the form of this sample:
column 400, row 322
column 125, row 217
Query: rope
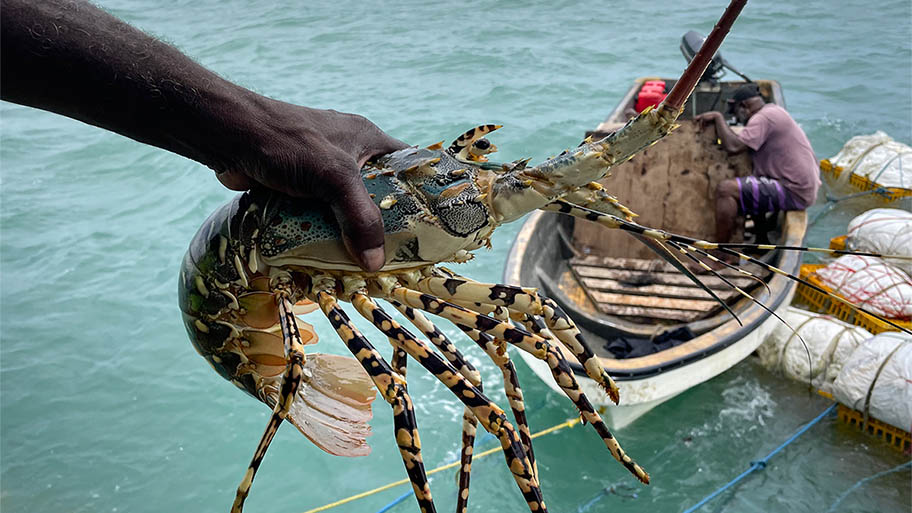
column 761, row 464
column 568, row 423
column 865, row 480
column 867, row 403
column 833, row 201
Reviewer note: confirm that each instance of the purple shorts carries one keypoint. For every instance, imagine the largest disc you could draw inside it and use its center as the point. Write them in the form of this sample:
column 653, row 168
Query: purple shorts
column 761, row 194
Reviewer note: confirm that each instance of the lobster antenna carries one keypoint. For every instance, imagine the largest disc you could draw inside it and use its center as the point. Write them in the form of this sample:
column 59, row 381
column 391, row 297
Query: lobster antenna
column 658, row 247
column 798, row 279
column 770, row 247
column 684, row 248
column 613, row 221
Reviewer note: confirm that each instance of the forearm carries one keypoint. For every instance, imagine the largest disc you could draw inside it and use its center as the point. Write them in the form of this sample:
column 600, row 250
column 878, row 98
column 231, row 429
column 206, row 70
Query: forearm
column 74, row 59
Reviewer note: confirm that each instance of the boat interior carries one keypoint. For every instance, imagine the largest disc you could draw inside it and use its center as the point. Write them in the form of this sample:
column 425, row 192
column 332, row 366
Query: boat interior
column 617, row 287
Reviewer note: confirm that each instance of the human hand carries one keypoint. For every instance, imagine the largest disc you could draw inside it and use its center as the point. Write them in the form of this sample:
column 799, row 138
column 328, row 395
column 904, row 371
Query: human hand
column 318, row 154
column 708, row 117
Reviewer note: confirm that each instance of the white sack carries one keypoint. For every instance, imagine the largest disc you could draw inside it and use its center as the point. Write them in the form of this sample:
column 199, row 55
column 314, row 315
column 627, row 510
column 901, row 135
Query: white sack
column 891, row 390
column 871, row 283
column 829, row 342
column 887, row 231
column 877, row 157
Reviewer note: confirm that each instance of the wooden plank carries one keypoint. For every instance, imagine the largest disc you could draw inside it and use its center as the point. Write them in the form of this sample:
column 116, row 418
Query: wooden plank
column 604, row 285
column 659, row 278
column 653, row 314
column 696, row 305
column 638, row 264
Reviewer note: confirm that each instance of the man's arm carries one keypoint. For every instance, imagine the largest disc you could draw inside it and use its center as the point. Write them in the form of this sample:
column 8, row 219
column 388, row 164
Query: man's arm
column 74, row 59
column 731, row 143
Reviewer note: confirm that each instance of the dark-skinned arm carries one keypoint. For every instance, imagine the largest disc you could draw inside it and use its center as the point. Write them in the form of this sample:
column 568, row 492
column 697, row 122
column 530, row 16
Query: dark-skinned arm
column 74, row 59
column 731, row 143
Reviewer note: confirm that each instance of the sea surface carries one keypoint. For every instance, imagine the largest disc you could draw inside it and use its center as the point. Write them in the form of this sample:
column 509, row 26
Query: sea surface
column 106, row 407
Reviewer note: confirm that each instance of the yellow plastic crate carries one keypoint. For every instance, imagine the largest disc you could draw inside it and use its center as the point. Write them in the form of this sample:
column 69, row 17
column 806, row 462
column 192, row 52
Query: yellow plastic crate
column 838, row 243
column 822, row 303
column 895, row 437
column 862, row 183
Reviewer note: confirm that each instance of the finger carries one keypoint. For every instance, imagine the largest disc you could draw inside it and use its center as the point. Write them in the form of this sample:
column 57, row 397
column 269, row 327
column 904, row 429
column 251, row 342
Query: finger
column 235, row 181
column 359, row 218
column 383, row 145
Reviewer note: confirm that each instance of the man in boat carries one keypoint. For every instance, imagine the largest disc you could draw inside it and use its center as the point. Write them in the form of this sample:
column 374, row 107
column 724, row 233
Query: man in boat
column 785, row 173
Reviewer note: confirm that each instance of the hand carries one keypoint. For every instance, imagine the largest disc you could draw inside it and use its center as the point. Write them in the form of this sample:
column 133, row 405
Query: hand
column 311, row 153
column 708, row 117
column 91, row 72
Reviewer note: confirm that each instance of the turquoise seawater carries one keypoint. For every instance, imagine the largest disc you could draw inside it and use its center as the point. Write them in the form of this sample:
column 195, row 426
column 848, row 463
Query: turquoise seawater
column 107, row 408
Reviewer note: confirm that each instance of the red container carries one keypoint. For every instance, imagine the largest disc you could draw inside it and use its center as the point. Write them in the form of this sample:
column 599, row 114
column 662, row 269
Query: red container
column 651, row 94
column 651, row 97
column 654, row 83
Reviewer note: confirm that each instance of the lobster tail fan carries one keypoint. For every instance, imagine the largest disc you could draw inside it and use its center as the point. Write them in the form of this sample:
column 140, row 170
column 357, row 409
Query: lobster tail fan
column 333, row 405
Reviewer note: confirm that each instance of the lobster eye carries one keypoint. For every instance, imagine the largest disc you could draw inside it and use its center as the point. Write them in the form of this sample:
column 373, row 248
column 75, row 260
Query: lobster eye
column 482, row 144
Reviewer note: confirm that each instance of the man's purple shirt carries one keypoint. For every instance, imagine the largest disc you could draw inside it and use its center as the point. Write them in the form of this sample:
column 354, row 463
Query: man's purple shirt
column 781, row 151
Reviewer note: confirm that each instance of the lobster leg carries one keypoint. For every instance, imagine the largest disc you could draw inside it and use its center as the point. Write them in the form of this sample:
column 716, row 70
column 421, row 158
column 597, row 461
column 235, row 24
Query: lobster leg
column 498, row 354
column 469, row 422
column 393, row 388
column 560, row 369
column 488, row 413
column 399, row 361
column 456, row 314
column 439, row 339
column 527, row 301
column 291, row 380
column 497, row 351
column 594, row 196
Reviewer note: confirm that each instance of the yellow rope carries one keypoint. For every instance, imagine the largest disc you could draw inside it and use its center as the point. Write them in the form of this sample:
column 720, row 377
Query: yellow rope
column 569, row 423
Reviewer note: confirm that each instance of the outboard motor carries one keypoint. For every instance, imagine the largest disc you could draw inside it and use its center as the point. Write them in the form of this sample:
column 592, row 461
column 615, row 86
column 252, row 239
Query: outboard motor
column 691, row 43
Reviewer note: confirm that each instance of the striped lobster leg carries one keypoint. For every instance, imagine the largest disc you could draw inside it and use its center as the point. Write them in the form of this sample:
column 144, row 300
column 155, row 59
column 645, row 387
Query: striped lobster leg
column 392, row 387
column 469, row 422
column 560, row 369
column 488, row 413
column 497, row 351
column 291, row 381
column 527, row 301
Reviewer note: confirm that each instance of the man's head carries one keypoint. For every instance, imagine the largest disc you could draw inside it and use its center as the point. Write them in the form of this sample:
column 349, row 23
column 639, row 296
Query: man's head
column 745, row 102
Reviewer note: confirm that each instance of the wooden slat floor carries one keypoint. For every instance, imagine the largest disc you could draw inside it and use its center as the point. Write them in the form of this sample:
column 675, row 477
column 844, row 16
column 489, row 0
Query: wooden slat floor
column 653, row 289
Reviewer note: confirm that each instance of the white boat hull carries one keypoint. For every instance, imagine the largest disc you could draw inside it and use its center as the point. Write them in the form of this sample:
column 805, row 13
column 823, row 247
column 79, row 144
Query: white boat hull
column 638, row 396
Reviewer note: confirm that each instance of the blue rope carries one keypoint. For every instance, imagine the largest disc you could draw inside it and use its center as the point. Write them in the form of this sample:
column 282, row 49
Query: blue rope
column 833, row 201
column 399, row 499
column 865, row 480
column 590, row 502
column 761, row 464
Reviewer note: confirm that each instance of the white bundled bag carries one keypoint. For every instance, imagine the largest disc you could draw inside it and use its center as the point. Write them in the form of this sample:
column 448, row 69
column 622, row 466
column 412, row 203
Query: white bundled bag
column 870, row 283
column 877, row 379
column 829, row 343
column 878, row 158
column 883, row 230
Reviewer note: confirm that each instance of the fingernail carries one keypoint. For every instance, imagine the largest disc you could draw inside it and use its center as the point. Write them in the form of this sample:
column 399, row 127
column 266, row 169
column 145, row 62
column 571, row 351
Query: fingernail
column 373, row 259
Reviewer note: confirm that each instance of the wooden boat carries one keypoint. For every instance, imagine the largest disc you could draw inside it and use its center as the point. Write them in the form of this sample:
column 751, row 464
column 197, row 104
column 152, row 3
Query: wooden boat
column 656, row 332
